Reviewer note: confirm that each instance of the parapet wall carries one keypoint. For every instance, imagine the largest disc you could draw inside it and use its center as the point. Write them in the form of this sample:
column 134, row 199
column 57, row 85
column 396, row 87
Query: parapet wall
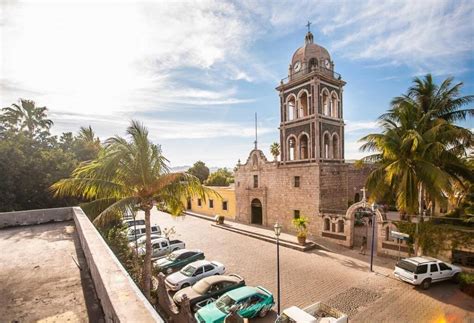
column 120, row 298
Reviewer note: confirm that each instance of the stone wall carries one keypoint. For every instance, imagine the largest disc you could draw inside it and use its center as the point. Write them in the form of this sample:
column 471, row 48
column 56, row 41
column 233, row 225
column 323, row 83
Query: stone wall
column 32, row 217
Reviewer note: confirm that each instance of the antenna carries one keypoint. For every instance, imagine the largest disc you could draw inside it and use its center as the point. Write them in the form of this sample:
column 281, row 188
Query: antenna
column 255, row 130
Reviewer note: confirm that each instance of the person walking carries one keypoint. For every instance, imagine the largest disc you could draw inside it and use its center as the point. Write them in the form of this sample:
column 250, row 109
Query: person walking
column 363, row 246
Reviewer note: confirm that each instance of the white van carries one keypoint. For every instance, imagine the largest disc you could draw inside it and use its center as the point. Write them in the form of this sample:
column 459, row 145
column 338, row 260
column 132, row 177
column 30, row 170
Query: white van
column 134, row 233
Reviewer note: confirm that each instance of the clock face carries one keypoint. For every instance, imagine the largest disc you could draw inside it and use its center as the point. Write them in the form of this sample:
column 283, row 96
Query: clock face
column 297, row 66
column 327, row 63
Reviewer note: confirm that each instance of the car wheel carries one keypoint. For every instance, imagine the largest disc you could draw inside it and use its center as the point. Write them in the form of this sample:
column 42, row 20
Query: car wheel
column 455, row 278
column 185, row 285
column 426, row 284
column 263, row 312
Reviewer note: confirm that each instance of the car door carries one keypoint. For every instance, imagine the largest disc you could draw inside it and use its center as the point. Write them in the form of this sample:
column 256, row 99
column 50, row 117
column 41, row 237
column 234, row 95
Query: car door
column 209, row 270
column 163, row 248
column 251, row 306
column 198, row 274
column 446, row 272
column 435, row 274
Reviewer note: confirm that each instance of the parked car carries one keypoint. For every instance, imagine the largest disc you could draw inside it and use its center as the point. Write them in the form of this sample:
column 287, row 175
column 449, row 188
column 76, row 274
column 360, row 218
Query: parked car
column 315, row 313
column 131, row 222
column 249, row 302
column 162, row 246
column 139, row 231
column 177, row 260
column 141, row 241
column 424, row 271
column 193, row 273
column 208, row 289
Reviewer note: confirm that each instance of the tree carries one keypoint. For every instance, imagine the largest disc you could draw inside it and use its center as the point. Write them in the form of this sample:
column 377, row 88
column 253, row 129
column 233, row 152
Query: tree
column 26, row 117
column 221, row 177
column 420, row 150
column 130, row 174
column 200, row 170
column 275, row 150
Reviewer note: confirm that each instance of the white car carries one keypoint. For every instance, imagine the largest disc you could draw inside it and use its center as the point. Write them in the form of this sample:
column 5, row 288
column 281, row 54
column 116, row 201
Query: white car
column 141, row 241
column 138, row 231
column 193, row 273
column 424, row 271
column 162, row 246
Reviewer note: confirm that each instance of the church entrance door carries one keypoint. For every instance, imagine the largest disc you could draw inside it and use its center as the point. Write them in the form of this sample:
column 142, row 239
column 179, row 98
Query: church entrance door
column 256, row 212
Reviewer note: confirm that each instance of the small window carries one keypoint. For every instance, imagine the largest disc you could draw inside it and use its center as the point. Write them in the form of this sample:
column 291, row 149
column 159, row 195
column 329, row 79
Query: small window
column 255, row 181
column 297, row 181
column 164, row 245
column 224, row 205
column 211, row 204
column 443, row 266
column 327, row 224
column 422, row 269
column 296, row 214
column 199, row 202
column 433, row 268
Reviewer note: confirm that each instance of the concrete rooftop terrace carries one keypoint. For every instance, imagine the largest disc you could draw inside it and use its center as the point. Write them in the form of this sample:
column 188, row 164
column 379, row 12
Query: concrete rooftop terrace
column 44, row 275
column 55, row 267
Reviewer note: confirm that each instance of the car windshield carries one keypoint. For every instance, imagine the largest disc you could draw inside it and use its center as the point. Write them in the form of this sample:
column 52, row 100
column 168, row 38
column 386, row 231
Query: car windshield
column 188, row 270
column 201, row 287
column 224, row 303
column 408, row 266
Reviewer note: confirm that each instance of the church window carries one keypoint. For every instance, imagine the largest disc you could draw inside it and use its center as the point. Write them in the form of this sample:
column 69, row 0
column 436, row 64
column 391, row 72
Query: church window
column 211, row 204
column 335, row 146
column 327, row 224
column 325, row 103
column 340, row 226
column 224, row 205
column 291, row 107
column 303, row 105
column 296, row 214
column 255, row 181
column 304, row 147
column 297, row 181
column 199, row 202
column 326, row 146
column 334, row 106
column 291, row 148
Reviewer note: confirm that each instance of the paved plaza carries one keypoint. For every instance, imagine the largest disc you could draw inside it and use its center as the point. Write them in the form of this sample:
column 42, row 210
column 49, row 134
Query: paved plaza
column 340, row 278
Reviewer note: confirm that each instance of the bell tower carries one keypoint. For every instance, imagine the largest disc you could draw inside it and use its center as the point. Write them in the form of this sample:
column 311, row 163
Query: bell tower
column 311, row 108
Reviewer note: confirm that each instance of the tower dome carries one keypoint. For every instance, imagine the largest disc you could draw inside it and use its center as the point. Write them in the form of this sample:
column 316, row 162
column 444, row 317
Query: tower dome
column 310, row 55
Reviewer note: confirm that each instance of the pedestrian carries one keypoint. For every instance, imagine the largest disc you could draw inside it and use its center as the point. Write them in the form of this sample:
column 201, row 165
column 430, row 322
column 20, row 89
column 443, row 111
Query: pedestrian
column 364, row 245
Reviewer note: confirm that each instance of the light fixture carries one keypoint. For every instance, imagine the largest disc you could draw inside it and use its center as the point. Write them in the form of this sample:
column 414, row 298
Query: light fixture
column 277, row 229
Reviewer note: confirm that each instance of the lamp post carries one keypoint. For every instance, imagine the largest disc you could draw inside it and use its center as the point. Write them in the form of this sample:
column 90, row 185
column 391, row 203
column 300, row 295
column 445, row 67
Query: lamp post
column 374, row 207
column 277, row 229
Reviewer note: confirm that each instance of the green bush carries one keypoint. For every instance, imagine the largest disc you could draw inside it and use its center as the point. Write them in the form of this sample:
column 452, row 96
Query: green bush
column 466, row 278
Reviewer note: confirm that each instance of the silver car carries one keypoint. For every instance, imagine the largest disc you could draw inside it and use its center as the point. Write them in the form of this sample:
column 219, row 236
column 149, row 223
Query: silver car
column 193, row 273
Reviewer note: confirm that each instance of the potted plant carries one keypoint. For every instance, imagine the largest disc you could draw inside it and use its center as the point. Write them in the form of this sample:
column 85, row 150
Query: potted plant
column 301, row 225
column 219, row 219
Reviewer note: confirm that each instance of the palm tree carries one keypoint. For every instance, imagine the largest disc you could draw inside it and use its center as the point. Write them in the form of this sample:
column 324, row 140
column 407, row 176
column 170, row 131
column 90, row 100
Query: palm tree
column 275, row 150
column 420, row 151
column 26, row 116
column 129, row 175
column 87, row 135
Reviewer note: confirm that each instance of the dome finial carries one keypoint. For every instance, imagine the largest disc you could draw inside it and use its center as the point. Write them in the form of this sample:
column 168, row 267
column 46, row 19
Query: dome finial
column 308, row 39
column 309, row 26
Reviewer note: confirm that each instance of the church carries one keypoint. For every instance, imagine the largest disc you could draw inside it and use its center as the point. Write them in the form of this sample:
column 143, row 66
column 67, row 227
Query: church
column 312, row 178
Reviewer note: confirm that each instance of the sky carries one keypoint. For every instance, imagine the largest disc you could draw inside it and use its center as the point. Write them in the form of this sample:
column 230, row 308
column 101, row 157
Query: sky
column 195, row 72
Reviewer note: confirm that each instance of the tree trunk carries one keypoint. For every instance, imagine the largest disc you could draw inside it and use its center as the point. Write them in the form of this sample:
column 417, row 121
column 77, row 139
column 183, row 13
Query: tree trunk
column 147, row 262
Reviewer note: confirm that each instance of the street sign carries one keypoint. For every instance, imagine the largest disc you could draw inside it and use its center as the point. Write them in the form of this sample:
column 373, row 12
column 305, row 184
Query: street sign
column 399, row 235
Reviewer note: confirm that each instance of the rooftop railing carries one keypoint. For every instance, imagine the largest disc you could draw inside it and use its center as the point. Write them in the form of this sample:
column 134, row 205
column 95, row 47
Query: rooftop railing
column 315, row 70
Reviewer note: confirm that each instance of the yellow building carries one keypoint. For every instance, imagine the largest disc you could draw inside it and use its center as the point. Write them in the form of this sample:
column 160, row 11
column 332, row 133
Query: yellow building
column 215, row 204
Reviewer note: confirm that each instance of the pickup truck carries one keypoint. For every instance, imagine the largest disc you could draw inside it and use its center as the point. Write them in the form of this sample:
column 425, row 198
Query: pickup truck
column 163, row 246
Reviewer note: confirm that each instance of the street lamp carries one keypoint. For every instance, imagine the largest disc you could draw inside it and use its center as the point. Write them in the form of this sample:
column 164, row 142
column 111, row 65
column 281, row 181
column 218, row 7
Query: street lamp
column 374, row 207
column 277, row 229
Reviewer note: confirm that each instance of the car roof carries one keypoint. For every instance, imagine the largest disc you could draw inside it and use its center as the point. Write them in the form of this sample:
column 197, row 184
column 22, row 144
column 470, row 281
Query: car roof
column 222, row 278
column 420, row 260
column 200, row 263
column 242, row 292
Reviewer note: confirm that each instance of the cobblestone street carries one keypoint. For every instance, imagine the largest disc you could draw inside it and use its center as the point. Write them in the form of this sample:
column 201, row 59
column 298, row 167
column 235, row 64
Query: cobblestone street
column 340, row 279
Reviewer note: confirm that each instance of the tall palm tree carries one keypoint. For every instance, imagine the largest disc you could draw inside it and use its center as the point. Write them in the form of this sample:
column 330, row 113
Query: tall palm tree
column 26, row 116
column 87, row 135
column 420, row 151
column 128, row 175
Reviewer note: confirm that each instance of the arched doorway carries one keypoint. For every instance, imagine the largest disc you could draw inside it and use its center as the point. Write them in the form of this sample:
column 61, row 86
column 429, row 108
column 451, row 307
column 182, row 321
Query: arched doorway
column 256, row 217
column 360, row 215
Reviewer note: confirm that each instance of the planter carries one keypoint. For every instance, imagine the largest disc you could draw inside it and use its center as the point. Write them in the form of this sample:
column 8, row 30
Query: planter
column 302, row 240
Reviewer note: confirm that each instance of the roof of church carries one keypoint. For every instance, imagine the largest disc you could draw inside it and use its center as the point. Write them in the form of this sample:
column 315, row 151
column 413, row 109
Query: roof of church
column 310, row 50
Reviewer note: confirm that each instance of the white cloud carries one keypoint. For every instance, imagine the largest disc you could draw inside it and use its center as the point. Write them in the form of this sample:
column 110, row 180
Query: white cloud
column 360, row 126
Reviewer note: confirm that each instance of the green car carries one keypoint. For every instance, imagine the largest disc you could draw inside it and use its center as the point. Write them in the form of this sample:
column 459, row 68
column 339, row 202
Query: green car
column 177, row 260
column 250, row 302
